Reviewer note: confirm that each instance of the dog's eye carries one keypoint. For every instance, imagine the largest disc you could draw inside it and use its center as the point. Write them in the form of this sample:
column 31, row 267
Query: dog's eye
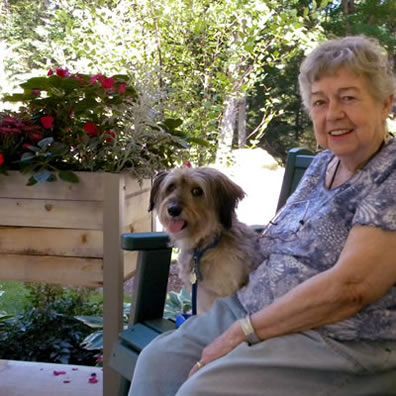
column 170, row 187
column 197, row 191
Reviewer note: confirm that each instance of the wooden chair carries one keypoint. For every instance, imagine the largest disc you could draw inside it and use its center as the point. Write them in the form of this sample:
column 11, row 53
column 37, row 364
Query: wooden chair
column 151, row 278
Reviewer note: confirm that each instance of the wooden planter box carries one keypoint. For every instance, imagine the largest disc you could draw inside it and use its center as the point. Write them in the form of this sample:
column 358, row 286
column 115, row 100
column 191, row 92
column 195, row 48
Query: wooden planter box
column 62, row 233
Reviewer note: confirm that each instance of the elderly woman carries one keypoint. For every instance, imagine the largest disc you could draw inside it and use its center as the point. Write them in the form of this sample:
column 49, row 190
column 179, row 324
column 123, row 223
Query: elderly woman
column 318, row 316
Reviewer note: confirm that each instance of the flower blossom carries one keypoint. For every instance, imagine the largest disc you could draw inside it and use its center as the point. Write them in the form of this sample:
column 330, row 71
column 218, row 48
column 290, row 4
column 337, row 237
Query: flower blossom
column 62, row 72
column 122, row 88
column 2, row 159
column 107, row 83
column 47, row 122
column 97, row 77
column 91, row 129
column 110, row 136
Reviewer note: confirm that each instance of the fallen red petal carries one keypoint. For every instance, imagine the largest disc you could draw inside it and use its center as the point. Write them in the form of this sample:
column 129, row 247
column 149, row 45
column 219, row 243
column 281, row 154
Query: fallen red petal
column 55, row 372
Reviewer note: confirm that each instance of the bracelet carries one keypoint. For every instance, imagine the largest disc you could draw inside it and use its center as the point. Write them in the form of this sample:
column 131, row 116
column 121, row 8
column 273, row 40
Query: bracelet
column 248, row 330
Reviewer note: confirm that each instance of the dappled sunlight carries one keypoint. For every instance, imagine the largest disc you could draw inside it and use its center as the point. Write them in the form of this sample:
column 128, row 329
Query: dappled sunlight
column 260, row 177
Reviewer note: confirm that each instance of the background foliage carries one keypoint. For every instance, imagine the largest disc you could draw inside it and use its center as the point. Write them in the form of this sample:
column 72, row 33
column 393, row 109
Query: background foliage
column 227, row 68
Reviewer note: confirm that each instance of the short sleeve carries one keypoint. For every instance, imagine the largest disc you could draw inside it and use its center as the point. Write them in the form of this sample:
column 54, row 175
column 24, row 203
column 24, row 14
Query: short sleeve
column 378, row 208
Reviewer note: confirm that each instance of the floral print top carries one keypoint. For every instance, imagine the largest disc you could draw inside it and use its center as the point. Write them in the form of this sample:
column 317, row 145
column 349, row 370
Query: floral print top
column 308, row 234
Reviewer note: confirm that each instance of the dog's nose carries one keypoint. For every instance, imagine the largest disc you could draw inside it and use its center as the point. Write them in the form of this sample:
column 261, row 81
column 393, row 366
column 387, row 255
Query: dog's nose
column 174, row 210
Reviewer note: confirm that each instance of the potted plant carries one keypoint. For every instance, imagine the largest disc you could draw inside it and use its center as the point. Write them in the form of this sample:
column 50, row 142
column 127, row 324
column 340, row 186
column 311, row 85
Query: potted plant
column 75, row 163
column 76, row 122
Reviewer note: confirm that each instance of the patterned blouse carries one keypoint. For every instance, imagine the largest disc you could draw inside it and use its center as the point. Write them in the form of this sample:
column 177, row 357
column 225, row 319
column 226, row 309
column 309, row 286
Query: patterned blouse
column 308, row 234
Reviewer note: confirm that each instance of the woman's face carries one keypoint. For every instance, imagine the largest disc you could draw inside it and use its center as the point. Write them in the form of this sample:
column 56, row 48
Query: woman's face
column 347, row 119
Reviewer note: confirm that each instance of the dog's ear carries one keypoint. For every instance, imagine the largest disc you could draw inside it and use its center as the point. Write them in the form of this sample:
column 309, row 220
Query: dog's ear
column 228, row 194
column 158, row 179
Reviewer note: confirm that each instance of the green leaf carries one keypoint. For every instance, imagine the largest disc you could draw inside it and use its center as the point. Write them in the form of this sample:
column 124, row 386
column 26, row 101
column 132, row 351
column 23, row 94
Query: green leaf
column 66, row 84
column 95, row 322
column 172, row 123
column 42, row 176
column 46, row 142
column 94, row 341
column 31, row 181
column 68, row 176
column 19, row 97
column 41, row 83
column 27, row 157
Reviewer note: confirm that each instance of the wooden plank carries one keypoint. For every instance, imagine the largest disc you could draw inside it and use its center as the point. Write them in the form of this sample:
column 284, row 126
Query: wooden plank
column 51, row 242
column 51, row 213
column 132, row 186
column 113, row 274
column 68, row 271
column 19, row 378
column 136, row 216
column 130, row 263
column 89, row 188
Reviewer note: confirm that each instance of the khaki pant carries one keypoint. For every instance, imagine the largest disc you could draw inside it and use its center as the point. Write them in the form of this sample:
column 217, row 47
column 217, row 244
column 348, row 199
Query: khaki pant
column 302, row 364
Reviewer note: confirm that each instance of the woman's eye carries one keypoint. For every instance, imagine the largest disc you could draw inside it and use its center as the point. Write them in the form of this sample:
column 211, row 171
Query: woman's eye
column 318, row 103
column 348, row 98
column 197, row 191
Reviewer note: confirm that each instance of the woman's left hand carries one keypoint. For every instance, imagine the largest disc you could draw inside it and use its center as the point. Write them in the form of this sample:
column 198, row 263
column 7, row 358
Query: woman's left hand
column 221, row 346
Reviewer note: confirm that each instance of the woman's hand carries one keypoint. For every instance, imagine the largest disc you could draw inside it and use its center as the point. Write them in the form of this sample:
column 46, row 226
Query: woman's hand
column 221, row 346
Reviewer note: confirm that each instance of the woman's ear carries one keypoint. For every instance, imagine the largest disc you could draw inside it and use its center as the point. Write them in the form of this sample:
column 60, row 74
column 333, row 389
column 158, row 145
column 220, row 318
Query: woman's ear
column 388, row 104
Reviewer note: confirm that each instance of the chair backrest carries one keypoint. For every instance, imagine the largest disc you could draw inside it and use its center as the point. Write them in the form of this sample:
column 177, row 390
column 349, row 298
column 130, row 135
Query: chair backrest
column 297, row 162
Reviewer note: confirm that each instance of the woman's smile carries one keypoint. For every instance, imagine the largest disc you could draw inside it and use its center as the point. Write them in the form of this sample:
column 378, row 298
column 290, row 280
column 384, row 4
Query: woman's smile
column 347, row 119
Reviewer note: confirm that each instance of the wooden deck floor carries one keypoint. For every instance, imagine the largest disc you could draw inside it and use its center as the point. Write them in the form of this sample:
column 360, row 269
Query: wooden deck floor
column 44, row 379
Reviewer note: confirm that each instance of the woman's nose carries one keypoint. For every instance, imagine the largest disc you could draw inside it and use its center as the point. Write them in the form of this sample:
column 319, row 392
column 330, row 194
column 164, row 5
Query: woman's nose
column 334, row 110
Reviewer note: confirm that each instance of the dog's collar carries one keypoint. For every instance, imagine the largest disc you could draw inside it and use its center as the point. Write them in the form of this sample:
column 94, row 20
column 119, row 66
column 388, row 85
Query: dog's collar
column 197, row 257
column 196, row 274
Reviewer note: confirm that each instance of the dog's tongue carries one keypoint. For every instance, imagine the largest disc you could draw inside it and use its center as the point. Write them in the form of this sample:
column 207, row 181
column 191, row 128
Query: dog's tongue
column 176, row 225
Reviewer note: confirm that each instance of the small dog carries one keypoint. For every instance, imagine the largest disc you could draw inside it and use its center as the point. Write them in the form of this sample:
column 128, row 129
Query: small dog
column 197, row 208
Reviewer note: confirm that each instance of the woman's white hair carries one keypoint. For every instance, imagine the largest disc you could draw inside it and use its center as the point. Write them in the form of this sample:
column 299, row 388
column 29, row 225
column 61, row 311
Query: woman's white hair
column 361, row 55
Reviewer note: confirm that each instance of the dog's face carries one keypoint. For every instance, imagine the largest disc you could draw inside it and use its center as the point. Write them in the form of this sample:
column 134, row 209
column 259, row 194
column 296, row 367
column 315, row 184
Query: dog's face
column 194, row 202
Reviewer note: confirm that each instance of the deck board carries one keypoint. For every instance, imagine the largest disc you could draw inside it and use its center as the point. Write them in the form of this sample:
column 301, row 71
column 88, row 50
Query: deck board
column 19, row 378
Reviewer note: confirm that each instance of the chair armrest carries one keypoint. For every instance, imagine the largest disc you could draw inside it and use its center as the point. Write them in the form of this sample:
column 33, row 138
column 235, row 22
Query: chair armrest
column 152, row 272
column 144, row 241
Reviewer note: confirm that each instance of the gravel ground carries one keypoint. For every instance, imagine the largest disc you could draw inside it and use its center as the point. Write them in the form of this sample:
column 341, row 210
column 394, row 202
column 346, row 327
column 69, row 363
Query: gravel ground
column 261, row 178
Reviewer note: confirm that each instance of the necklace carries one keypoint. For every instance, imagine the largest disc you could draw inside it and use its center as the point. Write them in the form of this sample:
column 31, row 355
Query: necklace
column 360, row 167
column 334, row 174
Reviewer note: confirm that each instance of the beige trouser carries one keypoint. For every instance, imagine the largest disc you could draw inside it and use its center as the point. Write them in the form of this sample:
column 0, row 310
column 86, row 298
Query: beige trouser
column 302, row 364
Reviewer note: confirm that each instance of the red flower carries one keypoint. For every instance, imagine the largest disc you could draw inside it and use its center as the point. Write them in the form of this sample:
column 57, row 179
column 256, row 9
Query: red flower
column 50, row 72
column 36, row 137
column 122, row 88
column 97, row 77
column 91, row 129
column 62, row 72
column 107, row 83
column 2, row 159
column 36, row 92
column 47, row 122
column 110, row 136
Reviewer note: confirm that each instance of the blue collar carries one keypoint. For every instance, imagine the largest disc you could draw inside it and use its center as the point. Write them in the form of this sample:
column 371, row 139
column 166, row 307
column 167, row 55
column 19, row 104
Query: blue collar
column 198, row 254
column 196, row 270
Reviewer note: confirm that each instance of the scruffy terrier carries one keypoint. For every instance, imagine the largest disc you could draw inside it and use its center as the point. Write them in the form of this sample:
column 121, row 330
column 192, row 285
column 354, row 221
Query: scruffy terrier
column 197, row 208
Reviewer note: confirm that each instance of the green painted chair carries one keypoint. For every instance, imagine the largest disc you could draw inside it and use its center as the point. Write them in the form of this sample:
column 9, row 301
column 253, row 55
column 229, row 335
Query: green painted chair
column 151, row 280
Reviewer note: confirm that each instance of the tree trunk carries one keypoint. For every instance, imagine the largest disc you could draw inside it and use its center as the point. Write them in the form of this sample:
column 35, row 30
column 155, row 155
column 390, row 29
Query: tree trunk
column 348, row 7
column 227, row 128
column 242, row 121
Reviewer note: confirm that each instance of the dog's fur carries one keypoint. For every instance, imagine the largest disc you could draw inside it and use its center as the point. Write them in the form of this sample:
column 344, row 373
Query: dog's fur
column 196, row 206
